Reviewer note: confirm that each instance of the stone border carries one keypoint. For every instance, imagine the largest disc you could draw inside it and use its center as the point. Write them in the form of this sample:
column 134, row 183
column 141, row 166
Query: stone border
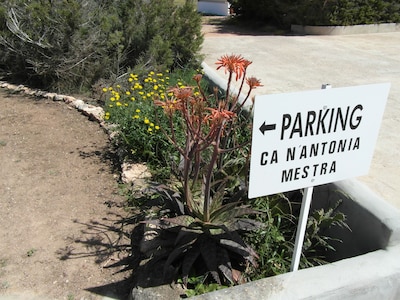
column 92, row 112
column 344, row 30
column 129, row 172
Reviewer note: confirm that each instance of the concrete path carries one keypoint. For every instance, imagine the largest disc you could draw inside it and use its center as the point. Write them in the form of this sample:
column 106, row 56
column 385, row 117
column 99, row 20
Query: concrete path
column 299, row 63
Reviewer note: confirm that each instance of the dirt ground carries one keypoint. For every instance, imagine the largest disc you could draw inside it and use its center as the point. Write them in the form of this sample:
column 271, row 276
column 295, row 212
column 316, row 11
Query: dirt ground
column 60, row 206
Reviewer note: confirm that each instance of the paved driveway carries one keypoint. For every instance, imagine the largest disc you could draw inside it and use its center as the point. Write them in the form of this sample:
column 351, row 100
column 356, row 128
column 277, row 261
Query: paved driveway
column 299, row 63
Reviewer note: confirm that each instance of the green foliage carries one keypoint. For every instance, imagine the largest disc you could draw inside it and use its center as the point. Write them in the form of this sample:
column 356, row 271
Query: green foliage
column 274, row 243
column 212, row 248
column 318, row 12
column 316, row 243
column 129, row 107
column 198, row 286
column 73, row 44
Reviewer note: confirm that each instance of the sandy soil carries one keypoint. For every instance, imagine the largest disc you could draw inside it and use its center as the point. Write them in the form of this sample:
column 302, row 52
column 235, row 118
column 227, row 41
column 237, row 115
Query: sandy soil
column 59, row 205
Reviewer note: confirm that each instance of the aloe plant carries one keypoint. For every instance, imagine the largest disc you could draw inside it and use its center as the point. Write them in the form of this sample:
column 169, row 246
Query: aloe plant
column 192, row 243
column 209, row 210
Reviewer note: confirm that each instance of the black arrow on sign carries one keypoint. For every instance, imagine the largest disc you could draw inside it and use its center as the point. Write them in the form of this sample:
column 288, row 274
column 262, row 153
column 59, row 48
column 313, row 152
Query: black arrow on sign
column 265, row 127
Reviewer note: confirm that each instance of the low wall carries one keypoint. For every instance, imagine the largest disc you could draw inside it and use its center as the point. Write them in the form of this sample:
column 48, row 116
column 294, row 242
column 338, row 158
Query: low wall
column 370, row 276
column 343, row 30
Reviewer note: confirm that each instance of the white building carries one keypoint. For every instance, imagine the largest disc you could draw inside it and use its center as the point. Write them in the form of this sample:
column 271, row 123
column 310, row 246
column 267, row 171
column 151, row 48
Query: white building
column 213, row 7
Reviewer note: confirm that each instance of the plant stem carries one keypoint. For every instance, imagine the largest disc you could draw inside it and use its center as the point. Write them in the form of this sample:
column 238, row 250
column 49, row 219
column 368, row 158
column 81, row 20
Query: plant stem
column 207, row 187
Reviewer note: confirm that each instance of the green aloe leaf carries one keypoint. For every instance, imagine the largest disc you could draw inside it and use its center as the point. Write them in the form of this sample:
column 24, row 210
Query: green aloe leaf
column 183, row 220
column 177, row 252
column 188, row 261
column 224, row 208
column 224, row 264
column 244, row 225
column 208, row 250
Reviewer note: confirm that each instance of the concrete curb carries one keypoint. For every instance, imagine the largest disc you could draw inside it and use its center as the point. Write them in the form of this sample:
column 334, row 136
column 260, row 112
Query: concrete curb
column 344, row 30
column 374, row 275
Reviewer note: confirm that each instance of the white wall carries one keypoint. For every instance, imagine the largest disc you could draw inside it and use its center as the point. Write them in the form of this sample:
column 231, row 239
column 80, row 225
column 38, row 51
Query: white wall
column 220, row 8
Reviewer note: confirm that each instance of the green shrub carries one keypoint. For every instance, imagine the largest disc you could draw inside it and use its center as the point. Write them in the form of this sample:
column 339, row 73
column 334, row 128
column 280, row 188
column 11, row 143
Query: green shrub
column 70, row 45
column 348, row 12
column 319, row 12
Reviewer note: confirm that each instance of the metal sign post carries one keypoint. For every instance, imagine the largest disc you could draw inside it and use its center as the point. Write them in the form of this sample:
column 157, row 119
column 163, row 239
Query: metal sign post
column 303, row 218
column 301, row 228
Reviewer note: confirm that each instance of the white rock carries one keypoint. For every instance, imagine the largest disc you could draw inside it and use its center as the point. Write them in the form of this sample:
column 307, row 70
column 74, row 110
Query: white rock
column 132, row 172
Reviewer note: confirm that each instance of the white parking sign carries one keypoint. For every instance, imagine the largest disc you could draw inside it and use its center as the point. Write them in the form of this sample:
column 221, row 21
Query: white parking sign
column 311, row 138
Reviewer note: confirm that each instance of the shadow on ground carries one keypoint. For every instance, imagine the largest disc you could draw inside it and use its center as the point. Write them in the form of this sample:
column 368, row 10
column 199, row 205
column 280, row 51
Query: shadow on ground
column 109, row 242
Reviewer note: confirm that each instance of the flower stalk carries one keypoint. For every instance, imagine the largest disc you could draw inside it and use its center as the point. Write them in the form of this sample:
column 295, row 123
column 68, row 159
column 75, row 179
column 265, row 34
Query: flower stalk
column 209, row 125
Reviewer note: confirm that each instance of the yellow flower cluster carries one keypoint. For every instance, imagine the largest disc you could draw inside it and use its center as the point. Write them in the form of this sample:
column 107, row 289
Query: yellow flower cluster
column 137, row 96
column 136, row 99
column 150, row 125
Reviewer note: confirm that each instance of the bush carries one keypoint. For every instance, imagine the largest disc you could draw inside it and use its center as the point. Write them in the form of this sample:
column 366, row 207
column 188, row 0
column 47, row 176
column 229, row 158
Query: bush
column 70, row 45
column 319, row 12
column 130, row 107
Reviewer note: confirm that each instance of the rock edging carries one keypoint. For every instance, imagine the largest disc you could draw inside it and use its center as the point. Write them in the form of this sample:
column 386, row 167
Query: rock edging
column 129, row 172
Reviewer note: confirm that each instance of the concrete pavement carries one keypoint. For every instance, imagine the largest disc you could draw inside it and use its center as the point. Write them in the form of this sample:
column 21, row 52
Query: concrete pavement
column 292, row 63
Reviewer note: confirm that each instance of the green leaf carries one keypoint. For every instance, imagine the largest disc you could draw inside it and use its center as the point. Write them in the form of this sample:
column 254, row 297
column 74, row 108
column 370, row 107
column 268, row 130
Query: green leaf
column 208, row 250
column 188, row 261
column 224, row 208
column 224, row 264
column 184, row 220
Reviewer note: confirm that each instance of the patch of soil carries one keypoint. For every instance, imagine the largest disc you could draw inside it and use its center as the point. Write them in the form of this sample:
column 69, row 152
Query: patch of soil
column 61, row 225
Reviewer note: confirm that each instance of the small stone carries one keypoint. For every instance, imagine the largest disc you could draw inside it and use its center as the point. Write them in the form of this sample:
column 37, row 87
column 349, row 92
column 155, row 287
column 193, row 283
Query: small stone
column 69, row 99
column 11, row 86
column 50, row 96
column 157, row 292
column 79, row 104
column 59, row 97
column 133, row 172
column 94, row 112
column 40, row 94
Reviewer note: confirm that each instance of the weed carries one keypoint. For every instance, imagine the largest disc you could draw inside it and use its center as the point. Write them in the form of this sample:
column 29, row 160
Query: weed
column 70, row 297
column 31, row 252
